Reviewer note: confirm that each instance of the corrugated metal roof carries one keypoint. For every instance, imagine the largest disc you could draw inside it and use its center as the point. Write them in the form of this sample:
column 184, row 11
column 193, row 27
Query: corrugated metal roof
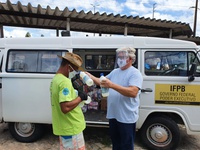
column 38, row 17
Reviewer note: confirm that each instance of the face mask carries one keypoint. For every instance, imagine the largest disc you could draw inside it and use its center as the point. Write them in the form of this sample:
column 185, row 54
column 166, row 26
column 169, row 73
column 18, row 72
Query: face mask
column 73, row 73
column 121, row 62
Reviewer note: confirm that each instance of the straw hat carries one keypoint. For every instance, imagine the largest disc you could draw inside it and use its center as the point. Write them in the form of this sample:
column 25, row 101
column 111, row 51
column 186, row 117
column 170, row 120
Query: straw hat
column 74, row 59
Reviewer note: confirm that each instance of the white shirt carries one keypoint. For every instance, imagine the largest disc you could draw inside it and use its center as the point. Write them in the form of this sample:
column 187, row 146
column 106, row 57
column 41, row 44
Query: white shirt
column 122, row 108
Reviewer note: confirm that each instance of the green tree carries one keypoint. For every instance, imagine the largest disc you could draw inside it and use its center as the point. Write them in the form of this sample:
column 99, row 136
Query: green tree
column 28, row 34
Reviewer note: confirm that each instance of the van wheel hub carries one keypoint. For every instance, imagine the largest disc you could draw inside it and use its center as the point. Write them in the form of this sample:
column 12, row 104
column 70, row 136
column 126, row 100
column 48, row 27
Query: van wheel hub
column 24, row 129
column 159, row 134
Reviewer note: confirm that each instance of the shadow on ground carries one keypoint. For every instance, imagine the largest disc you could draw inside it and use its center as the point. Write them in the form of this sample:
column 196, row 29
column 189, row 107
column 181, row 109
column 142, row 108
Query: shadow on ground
column 101, row 135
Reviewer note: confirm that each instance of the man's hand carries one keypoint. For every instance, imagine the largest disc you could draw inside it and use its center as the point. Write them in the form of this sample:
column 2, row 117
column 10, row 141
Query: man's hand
column 82, row 95
column 77, row 83
column 106, row 83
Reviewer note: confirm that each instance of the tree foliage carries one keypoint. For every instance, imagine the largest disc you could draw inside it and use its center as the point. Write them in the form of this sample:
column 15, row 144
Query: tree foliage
column 28, row 34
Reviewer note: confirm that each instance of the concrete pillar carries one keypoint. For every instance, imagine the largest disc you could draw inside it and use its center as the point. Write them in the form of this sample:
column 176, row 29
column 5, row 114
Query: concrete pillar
column 68, row 24
column 67, row 31
column 170, row 33
column 125, row 30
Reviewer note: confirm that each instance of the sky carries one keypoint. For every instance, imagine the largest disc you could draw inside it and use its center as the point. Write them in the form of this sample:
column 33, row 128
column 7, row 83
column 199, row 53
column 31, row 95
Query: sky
column 175, row 10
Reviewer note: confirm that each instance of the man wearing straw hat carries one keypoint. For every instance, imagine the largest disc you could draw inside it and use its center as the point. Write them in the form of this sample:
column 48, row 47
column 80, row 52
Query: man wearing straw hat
column 67, row 117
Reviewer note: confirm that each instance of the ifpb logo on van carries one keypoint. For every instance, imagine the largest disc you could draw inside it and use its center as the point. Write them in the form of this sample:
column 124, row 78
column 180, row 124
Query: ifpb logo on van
column 177, row 88
column 177, row 94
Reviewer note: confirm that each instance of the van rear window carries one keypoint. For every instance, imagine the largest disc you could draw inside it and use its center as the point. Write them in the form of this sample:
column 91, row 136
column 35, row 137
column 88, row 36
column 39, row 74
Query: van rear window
column 33, row 61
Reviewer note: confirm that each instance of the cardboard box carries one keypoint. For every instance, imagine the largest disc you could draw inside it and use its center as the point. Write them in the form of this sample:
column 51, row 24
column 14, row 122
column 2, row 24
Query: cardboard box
column 104, row 103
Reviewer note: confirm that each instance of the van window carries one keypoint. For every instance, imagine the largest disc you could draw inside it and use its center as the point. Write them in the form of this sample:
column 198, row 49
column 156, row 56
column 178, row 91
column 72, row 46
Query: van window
column 174, row 63
column 99, row 62
column 26, row 61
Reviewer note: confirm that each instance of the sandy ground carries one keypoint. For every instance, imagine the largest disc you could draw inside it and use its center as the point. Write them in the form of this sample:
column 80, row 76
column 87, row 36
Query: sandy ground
column 96, row 139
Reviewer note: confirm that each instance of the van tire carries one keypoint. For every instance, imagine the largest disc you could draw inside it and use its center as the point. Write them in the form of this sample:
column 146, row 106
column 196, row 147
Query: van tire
column 160, row 133
column 26, row 132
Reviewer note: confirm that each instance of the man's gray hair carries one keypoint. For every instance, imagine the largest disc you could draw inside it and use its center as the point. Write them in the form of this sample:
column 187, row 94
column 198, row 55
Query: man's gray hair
column 131, row 52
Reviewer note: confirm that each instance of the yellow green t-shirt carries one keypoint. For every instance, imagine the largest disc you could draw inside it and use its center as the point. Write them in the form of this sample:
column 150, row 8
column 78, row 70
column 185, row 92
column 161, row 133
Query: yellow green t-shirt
column 72, row 122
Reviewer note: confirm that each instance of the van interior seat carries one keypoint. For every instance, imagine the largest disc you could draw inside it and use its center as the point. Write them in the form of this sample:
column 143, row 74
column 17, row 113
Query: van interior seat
column 20, row 66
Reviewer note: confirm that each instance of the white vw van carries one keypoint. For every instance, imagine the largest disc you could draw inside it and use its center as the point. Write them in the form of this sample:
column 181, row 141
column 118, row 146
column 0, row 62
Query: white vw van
column 170, row 94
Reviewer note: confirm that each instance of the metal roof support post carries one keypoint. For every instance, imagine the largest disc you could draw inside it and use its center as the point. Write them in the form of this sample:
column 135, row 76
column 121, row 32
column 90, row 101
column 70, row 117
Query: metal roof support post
column 68, row 24
column 195, row 19
column 125, row 30
column 170, row 33
column 1, row 31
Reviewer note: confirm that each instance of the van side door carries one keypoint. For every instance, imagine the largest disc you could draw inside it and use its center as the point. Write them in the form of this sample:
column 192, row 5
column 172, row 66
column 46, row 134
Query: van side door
column 167, row 97
column 166, row 87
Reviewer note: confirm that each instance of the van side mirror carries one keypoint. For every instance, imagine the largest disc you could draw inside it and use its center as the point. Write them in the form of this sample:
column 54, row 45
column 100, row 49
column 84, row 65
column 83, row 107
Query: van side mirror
column 192, row 72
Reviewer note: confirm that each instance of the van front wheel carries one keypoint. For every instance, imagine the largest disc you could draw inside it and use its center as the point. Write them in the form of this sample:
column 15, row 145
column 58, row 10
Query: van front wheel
column 26, row 132
column 160, row 133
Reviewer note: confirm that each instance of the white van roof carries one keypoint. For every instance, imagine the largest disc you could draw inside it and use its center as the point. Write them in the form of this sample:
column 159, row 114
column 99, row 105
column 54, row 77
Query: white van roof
column 94, row 42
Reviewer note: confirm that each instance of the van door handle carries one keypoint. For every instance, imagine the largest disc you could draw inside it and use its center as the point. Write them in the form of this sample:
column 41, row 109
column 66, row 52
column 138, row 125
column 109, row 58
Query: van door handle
column 146, row 90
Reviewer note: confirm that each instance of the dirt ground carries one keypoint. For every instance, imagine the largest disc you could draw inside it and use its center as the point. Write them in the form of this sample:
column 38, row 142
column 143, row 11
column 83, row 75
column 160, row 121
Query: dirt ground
column 96, row 139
